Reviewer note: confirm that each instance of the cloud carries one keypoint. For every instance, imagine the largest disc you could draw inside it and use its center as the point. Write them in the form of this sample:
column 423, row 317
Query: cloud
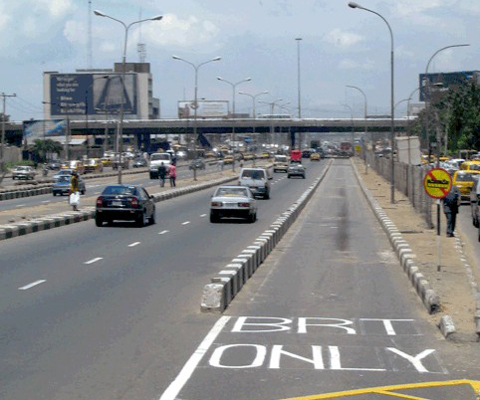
column 174, row 31
column 422, row 12
column 56, row 8
column 348, row 64
column 343, row 39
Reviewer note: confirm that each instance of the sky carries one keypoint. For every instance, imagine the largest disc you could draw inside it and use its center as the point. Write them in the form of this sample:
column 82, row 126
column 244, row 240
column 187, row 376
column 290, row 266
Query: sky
column 256, row 38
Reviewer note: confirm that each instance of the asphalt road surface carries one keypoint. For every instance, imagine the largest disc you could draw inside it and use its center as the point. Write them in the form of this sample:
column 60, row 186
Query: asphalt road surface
column 95, row 187
column 113, row 312
column 464, row 219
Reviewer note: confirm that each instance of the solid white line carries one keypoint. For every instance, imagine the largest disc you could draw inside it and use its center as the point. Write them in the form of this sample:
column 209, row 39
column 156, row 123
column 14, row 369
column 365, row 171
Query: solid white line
column 203, row 215
column 94, row 260
column 186, row 223
column 30, row 285
column 182, row 378
column 134, row 244
column 163, row 232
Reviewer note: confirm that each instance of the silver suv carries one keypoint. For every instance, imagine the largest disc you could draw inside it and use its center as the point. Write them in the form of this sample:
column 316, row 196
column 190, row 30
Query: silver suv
column 257, row 180
column 23, row 172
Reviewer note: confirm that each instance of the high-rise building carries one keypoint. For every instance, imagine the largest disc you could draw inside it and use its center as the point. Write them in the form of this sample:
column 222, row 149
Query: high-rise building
column 97, row 93
column 442, row 81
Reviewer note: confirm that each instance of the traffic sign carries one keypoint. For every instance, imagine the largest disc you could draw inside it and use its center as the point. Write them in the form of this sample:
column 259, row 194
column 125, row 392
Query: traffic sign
column 437, row 183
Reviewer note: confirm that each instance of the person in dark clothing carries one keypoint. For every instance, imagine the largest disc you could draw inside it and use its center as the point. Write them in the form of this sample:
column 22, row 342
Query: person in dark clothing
column 451, row 204
column 162, row 172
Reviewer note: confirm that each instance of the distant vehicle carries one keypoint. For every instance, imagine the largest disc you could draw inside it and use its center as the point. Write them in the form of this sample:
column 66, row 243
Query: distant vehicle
column 140, row 163
column 256, row 179
column 306, row 153
column 470, row 166
column 475, row 204
column 93, row 165
column 106, row 161
column 233, row 201
column 296, row 169
column 23, row 172
column 315, row 144
column 464, row 181
column 280, row 163
column 63, row 172
column 74, row 165
column 125, row 203
column 54, row 165
column 296, row 156
column 155, row 160
column 346, row 149
column 228, row 159
column 275, row 116
column 62, row 185
column 196, row 164
column 315, row 157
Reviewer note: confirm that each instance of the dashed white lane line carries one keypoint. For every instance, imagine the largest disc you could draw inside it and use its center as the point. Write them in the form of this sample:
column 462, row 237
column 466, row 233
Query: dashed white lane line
column 20, row 205
column 185, row 223
column 30, row 285
column 134, row 244
column 182, row 378
column 163, row 232
column 93, row 260
column 46, row 201
column 203, row 215
column 96, row 193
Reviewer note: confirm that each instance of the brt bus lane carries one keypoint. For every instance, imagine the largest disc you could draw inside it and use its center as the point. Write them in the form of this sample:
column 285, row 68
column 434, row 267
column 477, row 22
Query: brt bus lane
column 329, row 315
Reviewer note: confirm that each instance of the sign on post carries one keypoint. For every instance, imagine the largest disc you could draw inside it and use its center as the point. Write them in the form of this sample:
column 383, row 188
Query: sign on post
column 437, row 183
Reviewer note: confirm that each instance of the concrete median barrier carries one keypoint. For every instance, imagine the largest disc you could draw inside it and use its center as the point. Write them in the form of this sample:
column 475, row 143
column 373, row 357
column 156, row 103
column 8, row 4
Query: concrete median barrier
column 217, row 295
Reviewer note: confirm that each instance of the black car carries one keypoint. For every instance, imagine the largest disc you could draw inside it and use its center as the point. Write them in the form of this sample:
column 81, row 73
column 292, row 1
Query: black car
column 197, row 164
column 125, row 203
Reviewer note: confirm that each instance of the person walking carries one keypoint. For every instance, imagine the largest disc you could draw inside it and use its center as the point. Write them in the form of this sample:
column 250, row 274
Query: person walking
column 451, row 204
column 172, row 173
column 162, row 172
column 74, row 197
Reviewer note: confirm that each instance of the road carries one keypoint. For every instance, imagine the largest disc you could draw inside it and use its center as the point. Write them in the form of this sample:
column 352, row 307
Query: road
column 113, row 312
column 470, row 234
column 95, row 187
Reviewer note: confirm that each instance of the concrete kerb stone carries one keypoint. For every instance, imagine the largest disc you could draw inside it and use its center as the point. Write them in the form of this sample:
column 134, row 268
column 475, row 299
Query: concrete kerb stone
column 403, row 251
column 250, row 260
column 240, row 265
column 447, row 327
column 260, row 250
column 232, row 276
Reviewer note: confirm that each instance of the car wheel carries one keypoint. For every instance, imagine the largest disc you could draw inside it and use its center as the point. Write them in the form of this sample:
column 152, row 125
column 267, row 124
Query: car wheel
column 98, row 221
column 267, row 196
column 54, row 194
column 141, row 219
column 152, row 220
column 303, row 176
column 83, row 192
column 288, row 176
column 151, row 176
column 252, row 218
column 476, row 222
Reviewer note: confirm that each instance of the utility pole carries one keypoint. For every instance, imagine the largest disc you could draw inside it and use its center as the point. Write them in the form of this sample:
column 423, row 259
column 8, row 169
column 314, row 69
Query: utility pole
column 4, row 117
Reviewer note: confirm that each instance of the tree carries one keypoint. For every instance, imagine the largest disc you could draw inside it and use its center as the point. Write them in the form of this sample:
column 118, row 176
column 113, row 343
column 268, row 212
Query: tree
column 43, row 147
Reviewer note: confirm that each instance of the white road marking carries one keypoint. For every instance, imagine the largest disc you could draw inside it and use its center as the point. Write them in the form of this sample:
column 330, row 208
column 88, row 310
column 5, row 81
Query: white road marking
column 182, row 378
column 203, row 215
column 46, row 201
column 30, row 285
column 20, row 205
column 186, row 223
column 134, row 244
column 96, row 193
column 334, row 227
column 93, row 260
column 163, row 232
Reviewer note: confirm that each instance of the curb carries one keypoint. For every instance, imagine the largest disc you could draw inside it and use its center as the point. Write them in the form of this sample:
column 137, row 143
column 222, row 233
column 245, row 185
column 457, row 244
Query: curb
column 228, row 282
column 405, row 255
column 459, row 246
column 58, row 220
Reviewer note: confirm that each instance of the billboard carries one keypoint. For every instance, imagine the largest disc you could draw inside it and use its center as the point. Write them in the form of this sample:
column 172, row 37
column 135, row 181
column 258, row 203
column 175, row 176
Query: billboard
column 206, row 109
column 38, row 129
column 92, row 94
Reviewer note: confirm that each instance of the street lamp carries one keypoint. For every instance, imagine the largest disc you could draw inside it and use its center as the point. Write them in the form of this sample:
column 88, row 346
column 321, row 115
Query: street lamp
column 254, row 98
column 124, row 61
column 428, row 99
column 351, row 121
column 392, row 96
column 234, row 86
column 196, row 67
column 364, row 114
column 298, row 40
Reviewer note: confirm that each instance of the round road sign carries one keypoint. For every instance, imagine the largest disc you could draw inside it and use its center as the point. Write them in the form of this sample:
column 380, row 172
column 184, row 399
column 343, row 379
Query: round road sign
column 437, row 183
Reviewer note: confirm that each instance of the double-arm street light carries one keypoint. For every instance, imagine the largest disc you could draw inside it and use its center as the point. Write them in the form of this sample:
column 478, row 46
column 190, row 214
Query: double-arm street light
column 392, row 96
column 123, row 72
column 428, row 99
column 272, row 105
column 196, row 67
column 254, row 98
column 364, row 115
column 234, row 87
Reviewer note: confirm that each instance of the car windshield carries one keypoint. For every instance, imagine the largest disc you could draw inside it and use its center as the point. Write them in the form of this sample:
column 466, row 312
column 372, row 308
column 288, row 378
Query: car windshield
column 119, row 190
column 91, row 162
column 63, row 179
column 162, row 156
column 475, row 167
column 22, row 168
column 253, row 174
column 228, row 192
column 281, row 158
column 464, row 178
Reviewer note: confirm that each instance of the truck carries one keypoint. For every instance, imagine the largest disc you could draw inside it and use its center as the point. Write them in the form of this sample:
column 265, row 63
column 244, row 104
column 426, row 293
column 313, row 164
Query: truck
column 346, row 149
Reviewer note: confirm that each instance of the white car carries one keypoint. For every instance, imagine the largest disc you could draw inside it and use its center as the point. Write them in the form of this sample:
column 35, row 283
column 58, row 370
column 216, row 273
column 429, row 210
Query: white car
column 155, row 160
column 23, row 172
column 233, row 201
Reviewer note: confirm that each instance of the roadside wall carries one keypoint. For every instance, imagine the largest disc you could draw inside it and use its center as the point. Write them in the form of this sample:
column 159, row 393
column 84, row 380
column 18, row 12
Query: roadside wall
column 13, row 154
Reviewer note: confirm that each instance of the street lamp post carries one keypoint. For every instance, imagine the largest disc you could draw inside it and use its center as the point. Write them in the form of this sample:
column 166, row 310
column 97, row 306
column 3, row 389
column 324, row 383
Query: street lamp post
column 124, row 61
column 254, row 98
column 234, row 86
column 392, row 95
column 4, row 117
column 351, row 119
column 196, row 67
column 428, row 100
column 298, row 40
column 272, row 105
column 364, row 115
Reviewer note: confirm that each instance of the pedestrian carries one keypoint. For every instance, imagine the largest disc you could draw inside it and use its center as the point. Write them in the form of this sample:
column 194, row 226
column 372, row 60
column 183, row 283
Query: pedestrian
column 172, row 173
column 74, row 197
column 220, row 165
column 451, row 204
column 162, row 172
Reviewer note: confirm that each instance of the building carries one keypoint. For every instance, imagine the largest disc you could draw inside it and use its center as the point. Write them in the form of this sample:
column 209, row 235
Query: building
column 441, row 81
column 97, row 94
